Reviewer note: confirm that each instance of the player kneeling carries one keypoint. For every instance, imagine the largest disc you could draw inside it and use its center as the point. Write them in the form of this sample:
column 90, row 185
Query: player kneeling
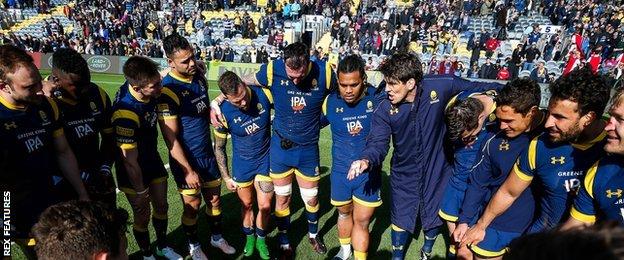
column 247, row 118
column 141, row 174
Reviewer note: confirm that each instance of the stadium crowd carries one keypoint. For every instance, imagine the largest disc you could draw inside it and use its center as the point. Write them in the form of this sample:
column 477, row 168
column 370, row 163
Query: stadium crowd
column 590, row 33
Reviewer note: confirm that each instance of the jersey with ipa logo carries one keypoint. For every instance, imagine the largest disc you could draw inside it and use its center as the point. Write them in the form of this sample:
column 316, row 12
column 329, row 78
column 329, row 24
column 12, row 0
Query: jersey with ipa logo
column 83, row 120
column 558, row 169
column 297, row 107
column 188, row 101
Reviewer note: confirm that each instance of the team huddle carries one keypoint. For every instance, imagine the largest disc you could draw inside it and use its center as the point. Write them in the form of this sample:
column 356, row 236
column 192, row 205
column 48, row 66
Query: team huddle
column 482, row 157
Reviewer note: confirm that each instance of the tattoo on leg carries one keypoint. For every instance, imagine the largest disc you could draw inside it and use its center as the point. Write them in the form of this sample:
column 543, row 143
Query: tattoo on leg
column 266, row 186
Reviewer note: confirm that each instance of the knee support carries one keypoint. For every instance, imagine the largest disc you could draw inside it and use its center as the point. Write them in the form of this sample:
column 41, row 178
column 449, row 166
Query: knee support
column 307, row 195
column 283, row 190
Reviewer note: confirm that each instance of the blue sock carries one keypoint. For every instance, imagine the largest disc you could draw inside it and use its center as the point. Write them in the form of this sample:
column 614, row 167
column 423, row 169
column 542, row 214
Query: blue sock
column 248, row 230
column 430, row 237
column 399, row 239
column 260, row 233
column 312, row 222
column 282, row 226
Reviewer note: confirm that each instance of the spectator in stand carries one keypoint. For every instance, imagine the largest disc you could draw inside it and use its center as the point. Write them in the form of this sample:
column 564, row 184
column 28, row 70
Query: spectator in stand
column 540, row 73
column 530, row 55
column 503, row 73
column 488, row 71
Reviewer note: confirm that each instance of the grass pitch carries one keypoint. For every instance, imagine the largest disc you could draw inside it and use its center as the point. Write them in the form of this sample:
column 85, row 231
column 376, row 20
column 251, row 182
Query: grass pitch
column 380, row 244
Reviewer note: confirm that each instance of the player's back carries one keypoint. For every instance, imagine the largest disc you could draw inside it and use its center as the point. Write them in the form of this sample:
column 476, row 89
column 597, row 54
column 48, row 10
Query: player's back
column 606, row 180
column 188, row 100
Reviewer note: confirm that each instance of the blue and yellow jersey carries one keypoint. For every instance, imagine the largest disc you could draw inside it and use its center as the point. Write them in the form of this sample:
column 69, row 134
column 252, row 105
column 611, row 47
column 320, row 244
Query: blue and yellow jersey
column 187, row 100
column 559, row 168
column 297, row 107
column 83, row 121
column 250, row 129
column 497, row 157
column 350, row 125
column 464, row 157
column 28, row 158
column 600, row 197
column 134, row 124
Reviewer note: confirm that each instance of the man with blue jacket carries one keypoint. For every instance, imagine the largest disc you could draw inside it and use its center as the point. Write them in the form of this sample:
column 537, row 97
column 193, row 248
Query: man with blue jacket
column 413, row 115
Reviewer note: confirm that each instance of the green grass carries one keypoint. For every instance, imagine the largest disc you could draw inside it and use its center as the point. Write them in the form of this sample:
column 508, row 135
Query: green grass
column 380, row 246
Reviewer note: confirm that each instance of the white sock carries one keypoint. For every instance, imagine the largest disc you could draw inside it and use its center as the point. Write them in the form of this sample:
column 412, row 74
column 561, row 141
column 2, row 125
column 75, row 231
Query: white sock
column 345, row 252
column 193, row 246
column 285, row 246
column 312, row 235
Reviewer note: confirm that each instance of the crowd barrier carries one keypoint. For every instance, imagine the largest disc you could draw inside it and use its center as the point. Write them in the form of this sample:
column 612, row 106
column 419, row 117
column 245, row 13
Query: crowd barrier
column 114, row 65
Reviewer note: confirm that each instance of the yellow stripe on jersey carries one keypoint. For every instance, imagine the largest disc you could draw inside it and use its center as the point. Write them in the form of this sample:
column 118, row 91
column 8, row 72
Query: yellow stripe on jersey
column 328, row 75
column 486, row 253
column 244, row 184
column 268, row 94
column 212, row 184
column 589, row 179
column 260, row 177
column 447, row 217
column 574, row 213
column 591, row 143
column 8, row 105
column 452, row 101
column 396, row 228
column 533, row 153
column 126, row 114
column 324, row 109
column 338, row 203
column 127, row 146
column 269, row 73
column 103, row 95
column 180, row 77
column 168, row 92
column 58, row 132
column 55, row 108
column 523, row 176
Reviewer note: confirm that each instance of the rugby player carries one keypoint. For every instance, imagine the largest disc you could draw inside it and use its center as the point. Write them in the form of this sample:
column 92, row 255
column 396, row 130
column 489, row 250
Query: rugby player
column 185, row 124
column 141, row 174
column 467, row 115
column 600, row 196
column 413, row 116
column 86, row 112
column 33, row 145
column 557, row 158
column 247, row 118
column 519, row 121
column 81, row 230
column 299, row 87
column 349, row 112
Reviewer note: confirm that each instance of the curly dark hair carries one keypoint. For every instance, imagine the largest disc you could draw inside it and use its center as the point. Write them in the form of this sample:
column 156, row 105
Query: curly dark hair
column 402, row 66
column 461, row 116
column 521, row 94
column 69, row 61
column 590, row 91
column 296, row 55
column 79, row 229
column 175, row 42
